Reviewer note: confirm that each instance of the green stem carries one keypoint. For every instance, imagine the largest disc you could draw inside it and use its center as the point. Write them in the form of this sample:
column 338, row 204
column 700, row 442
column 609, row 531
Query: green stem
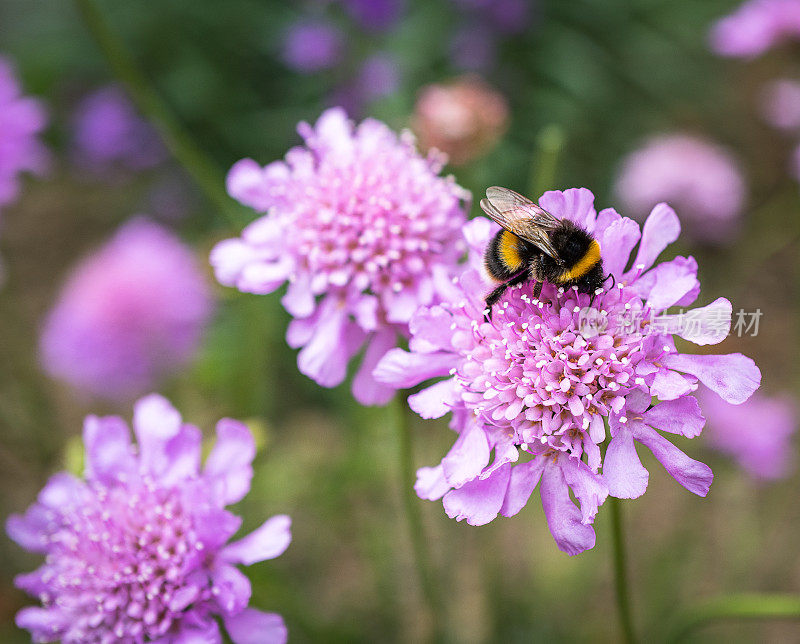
column 549, row 144
column 740, row 606
column 621, row 573
column 195, row 161
column 411, row 503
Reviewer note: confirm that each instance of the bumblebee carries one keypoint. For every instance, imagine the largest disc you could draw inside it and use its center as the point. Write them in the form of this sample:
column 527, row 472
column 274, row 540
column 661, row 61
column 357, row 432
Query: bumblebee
column 534, row 245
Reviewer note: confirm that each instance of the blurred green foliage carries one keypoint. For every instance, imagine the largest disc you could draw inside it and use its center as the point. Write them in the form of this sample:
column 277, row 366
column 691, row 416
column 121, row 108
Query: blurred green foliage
column 606, row 74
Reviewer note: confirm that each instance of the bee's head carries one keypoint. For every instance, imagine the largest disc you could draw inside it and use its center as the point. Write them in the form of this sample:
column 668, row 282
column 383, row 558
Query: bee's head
column 593, row 280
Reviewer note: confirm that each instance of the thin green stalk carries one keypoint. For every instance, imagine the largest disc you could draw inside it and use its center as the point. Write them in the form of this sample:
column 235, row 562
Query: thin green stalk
column 196, row 162
column 549, row 144
column 411, row 503
column 740, row 606
column 621, row 573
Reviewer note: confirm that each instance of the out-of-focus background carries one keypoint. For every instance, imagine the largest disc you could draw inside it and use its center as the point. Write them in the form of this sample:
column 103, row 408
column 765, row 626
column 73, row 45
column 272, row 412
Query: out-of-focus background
column 625, row 97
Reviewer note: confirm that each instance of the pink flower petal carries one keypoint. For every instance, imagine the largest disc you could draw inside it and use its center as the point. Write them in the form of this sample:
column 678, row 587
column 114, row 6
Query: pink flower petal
column 693, row 475
column 679, row 416
column 252, row 626
column 367, row 390
column 230, row 588
column 109, row 451
column 267, row 542
column 478, row 501
column 434, row 401
column 623, row 472
column 524, row 479
column 617, row 240
column 468, row 456
column 563, row 516
column 733, row 376
column 155, row 422
column 402, row 369
column 230, row 462
column 661, row 228
column 575, row 204
column 431, row 483
column 705, row 325
column 589, row 488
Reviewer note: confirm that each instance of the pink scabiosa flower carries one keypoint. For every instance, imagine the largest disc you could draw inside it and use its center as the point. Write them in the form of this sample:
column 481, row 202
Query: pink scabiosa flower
column 463, row 119
column 700, row 178
column 131, row 313
column 363, row 229
column 138, row 550
column 536, row 385
column 755, row 27
column 757, row 434
column 109, row 135
column 21, row 120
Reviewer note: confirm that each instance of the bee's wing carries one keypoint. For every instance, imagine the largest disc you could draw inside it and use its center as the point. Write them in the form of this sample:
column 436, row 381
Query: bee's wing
column 520, row 216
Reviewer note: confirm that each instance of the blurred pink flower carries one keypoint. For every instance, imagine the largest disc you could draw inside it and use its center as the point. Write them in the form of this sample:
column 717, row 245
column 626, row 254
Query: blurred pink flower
column 312, row 46
column 109, row 134
column 375, row 15
column 378, row 77
column 463, row 119
column 755, row 27
column 536, row 385
column 780, row 104
column 357, row 217
column 131, row 313
column 21, row 120
column 138, row 550
column 757, row 434
column 700, row 179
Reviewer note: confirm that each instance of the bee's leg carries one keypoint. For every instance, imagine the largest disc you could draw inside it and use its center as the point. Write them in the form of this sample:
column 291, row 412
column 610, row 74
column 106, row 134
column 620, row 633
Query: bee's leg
column 492, row 298
column 537, row 290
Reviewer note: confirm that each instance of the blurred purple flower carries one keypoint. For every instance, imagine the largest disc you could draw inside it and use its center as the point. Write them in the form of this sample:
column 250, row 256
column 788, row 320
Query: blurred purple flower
column 131, row 313
column 504, row 16
column 755, row 27
column 701, row 179
column 536, row 385
column 312, row 46
column 378, row 78
column 359, row 218
column 473, row 47
column 757, row 434
column 109, row 134
column 21, row 119
column 780, row 104
column 137, row 551
column 375, row 15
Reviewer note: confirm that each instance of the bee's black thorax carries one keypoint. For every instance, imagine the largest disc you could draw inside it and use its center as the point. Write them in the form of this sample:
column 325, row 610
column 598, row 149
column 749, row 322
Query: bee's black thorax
column 580, row 256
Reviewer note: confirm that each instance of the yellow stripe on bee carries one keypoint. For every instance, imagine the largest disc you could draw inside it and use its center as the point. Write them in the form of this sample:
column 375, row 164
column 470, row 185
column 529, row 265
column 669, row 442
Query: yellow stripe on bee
column 509, row 251
column 584, row 265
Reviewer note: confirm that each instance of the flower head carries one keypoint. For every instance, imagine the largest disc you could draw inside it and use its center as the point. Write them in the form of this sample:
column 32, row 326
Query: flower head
column 312, row 46
column 138, row 550
column 538, row 384
column 21, row 120
column 375, row 15
column 131, row 313
column 755, row 27
column 780, row 104
column 463, row 119
column 700, row 178
column 109, row 134
column 357, row 219
column 757, row 434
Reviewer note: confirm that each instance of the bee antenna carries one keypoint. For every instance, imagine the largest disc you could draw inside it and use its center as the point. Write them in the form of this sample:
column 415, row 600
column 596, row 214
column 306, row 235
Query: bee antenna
column 613, row 279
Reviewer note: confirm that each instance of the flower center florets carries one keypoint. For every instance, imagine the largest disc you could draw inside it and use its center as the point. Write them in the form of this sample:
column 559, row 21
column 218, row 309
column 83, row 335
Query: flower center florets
column 546, row 370
column 377, row 225
column 119, row 564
